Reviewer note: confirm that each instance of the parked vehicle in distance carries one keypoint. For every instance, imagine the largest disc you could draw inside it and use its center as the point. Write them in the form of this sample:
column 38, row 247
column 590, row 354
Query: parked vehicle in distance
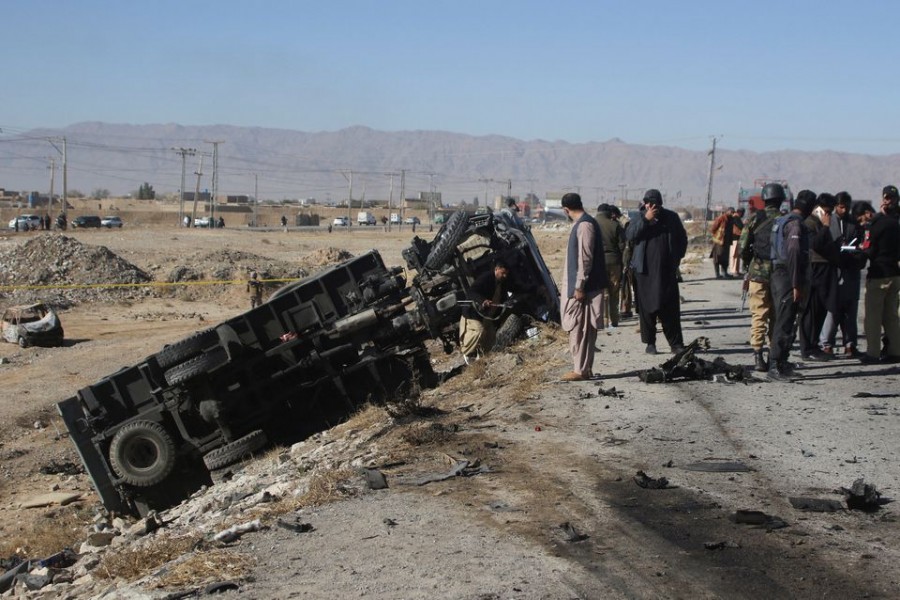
column 412, row 220
column 366, row 218
column 85, row 221
column 31, row 325
column 26, row 222
column 110, row 222
column 395, row 219
column 201, row 222
column 341, row 222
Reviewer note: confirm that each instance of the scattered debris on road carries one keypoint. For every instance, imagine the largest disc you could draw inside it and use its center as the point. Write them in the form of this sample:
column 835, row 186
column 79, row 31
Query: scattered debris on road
column 757, row 518
column 572, row 535
column 645, row 481
column 816, row 504
column 728, row 466
column 684, row 365
column 863, row 496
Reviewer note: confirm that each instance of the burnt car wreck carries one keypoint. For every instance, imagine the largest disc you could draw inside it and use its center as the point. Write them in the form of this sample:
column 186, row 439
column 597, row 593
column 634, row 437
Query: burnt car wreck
column 152, row 433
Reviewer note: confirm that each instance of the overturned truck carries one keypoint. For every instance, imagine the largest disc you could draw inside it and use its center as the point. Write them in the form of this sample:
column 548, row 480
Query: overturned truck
column 153, row 433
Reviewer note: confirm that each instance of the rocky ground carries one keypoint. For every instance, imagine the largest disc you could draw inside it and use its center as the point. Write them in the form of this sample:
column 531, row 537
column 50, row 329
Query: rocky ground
column 501, row 483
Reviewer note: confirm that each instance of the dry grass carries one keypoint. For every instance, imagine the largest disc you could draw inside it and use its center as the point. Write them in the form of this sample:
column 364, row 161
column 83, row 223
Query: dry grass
column 426, row 434
column 206, row 567
column 325, row 486
column 328, row 486
column 369, row 415
column 136, row 562
column 60, row 528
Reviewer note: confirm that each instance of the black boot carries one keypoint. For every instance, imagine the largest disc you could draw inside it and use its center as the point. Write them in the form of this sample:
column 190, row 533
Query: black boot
column 761, row 364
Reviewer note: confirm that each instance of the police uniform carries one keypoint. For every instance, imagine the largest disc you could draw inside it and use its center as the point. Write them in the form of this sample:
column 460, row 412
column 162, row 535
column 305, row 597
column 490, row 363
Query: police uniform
column 759, row 273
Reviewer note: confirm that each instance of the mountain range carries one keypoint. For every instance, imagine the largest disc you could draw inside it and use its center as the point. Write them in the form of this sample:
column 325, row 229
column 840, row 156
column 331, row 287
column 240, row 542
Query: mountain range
column 284, row 164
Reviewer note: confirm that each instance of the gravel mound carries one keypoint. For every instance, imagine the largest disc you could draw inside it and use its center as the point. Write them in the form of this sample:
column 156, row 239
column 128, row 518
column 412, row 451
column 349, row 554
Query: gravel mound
column 57, row 260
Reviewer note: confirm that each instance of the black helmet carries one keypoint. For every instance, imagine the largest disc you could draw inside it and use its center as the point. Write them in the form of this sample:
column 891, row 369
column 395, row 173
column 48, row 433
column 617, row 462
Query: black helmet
column 773, row 193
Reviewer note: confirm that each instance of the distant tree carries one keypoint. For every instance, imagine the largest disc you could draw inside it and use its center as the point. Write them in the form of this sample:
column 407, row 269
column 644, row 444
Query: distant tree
column 145, row 192
column 75, row 194
column 100, row 194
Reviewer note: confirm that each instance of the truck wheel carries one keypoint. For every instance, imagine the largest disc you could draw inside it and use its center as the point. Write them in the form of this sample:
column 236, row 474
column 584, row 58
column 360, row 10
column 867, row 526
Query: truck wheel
column 23, row 343
column 142, row 453
column 509, row 332
column 204, row 363
column 446, row 240
column 235, row 451
column 182, row 350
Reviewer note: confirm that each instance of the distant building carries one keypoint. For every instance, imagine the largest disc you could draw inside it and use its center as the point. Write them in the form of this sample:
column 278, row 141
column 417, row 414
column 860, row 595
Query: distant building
column 239, row 199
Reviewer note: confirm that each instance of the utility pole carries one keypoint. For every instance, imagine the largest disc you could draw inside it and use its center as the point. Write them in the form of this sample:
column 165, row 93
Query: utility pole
column 390, row 200
column 256, row 200
column 215, row 178
column 63, row 152
column 65, row 200
column 709, row 185
column 431, row 198
column 52, row 174
column 184, row 152
column 198, row 173
column 402, row 198
column 350, row 199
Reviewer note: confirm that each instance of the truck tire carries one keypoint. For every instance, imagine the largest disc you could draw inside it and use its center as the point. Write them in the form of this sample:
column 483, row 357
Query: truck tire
column 235, row 451
column 142, row 453
column 446, row 240
column 204, row 363
column 182, row 350
column 509, row 332
column 23, row 343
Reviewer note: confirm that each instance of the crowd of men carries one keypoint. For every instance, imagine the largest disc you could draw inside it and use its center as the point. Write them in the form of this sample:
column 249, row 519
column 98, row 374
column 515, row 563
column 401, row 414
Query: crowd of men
column 802, row 268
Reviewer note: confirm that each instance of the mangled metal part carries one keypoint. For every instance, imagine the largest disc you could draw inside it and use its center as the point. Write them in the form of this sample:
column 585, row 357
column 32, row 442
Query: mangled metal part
column 650, row 483
column 685, row 365
column 863, row 496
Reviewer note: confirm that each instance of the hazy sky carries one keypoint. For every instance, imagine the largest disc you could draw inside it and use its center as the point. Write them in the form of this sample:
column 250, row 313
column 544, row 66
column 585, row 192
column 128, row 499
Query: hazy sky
column 766, row 75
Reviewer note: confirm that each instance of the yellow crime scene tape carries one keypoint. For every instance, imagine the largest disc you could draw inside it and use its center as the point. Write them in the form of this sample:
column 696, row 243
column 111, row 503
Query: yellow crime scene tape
column 81, row 286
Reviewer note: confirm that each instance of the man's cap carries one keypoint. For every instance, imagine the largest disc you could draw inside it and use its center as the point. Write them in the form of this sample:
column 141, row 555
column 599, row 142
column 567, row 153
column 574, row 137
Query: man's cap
column 890, row 191
column 653, row 196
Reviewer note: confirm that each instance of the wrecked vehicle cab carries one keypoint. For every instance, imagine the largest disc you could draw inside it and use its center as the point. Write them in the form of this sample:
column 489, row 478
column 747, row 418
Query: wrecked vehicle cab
column 32, row 325
column 153, row 433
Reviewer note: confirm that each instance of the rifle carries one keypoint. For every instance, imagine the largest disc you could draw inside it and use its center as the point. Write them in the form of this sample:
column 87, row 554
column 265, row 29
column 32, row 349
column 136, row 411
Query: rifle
column 745, row 287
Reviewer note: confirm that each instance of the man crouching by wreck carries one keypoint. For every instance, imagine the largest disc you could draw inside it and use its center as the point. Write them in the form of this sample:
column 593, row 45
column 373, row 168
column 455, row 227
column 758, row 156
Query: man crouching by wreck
column 477, row 328
column 584, row 282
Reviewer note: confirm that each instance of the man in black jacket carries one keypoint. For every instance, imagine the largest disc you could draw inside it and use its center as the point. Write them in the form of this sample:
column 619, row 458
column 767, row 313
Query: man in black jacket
column 843, row 291
column 882, row 247
column 659, row 245
column 789, row 284
column 823, row 259
column 487, row 295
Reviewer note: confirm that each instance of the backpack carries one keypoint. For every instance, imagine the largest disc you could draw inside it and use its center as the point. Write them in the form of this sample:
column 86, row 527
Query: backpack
column 779, row 251
column 762, row 238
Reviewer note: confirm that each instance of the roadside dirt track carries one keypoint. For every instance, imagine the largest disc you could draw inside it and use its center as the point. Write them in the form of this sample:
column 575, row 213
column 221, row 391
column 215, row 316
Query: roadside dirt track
column 558, row 453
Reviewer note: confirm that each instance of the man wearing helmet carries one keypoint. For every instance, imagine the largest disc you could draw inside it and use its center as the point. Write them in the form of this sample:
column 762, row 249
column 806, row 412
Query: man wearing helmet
column 756, row 254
